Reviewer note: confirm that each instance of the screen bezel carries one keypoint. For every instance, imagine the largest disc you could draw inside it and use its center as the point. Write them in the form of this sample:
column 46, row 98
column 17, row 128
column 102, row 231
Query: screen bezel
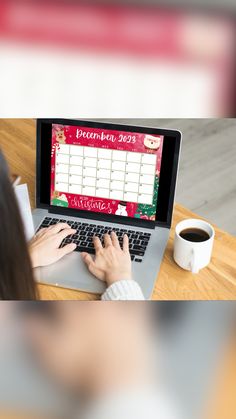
column 96, row 215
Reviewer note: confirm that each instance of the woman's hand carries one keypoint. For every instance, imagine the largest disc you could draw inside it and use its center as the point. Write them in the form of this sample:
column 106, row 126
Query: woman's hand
column 44, row 247
column 111, row 263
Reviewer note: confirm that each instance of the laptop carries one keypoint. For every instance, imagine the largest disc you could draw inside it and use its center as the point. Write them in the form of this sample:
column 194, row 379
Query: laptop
column 103, row 177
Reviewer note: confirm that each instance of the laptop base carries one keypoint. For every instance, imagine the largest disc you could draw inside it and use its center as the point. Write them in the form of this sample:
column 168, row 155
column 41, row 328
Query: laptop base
column 70, row 272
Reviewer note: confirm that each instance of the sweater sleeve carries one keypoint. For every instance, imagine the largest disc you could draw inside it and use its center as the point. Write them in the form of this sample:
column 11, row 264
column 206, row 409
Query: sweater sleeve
column 133, row 404
column 123, row 290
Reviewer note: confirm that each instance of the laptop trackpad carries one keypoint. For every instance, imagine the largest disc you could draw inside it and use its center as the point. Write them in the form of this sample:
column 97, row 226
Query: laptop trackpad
column 70, row 272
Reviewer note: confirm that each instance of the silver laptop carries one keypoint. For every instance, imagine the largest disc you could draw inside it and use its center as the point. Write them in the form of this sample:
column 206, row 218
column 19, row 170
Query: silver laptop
column 101, row 177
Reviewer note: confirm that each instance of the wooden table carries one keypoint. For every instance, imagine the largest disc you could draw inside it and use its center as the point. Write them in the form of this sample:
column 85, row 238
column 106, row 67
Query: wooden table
column 217, row 281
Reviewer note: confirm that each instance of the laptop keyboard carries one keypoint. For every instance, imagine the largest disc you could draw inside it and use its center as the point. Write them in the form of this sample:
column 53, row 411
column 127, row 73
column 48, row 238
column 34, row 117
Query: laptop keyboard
column 83, row 238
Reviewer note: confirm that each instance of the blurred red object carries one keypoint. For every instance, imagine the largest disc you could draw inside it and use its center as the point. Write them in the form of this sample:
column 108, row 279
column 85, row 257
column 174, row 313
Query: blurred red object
column 175, row 36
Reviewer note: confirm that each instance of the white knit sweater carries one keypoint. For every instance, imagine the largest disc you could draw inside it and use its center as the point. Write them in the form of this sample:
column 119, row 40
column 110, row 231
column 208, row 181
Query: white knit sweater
column 146, row 403
column 123, row 290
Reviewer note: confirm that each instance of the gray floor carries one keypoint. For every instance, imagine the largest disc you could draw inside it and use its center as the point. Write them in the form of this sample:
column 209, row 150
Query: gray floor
column 207, row 176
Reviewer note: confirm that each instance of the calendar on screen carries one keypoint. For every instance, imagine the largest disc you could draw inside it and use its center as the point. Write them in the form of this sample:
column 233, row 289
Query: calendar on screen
column 106, row 171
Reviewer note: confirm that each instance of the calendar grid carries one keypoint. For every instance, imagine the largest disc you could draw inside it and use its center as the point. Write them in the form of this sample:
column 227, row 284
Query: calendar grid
column 82, row 172
column 96, row 181
column 105, row 173
column 110, row 180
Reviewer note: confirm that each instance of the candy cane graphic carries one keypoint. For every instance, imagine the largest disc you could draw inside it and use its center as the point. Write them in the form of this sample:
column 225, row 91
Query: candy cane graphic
column 54, row 148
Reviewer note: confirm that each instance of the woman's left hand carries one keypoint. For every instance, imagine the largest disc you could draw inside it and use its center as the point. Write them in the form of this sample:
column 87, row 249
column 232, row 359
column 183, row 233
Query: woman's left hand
column 45, row 248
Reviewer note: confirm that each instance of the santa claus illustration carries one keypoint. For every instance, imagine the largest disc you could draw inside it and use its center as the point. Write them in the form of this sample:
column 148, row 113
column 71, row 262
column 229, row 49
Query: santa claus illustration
column 152, row 143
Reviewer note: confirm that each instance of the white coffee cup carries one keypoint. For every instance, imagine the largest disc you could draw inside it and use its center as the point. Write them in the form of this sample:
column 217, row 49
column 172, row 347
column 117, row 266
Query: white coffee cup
column 191, row 255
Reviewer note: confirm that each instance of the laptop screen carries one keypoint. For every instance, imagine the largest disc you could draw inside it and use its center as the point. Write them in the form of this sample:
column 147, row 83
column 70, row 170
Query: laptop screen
column 113, row 170
column 106, row 171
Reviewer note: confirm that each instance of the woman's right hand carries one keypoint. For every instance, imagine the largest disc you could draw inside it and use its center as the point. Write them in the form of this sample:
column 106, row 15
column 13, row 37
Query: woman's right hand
column 111, row 263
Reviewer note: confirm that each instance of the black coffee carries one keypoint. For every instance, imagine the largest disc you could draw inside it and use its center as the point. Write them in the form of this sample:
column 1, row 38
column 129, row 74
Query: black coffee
column 194, row 235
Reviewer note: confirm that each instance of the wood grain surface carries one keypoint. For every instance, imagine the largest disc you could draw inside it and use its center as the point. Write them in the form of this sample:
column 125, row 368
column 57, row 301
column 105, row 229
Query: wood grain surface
column 217, row 281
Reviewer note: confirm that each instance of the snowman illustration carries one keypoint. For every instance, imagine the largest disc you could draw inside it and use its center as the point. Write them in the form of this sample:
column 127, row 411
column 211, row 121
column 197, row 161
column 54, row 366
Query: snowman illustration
column 121, row 210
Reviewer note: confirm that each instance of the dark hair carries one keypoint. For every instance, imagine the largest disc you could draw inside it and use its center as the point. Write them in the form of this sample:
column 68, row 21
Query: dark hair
column 16, row 274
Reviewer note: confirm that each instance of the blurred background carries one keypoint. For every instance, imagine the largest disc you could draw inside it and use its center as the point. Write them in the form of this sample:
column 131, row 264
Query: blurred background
column 113, row 58
column 193, row 357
